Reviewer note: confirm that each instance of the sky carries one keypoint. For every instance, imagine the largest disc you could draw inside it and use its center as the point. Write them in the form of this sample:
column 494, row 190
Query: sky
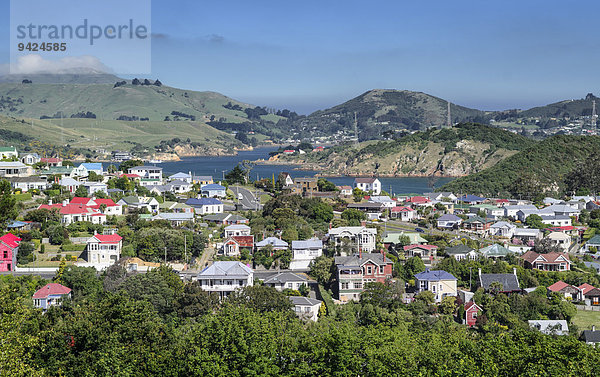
column 308, row 55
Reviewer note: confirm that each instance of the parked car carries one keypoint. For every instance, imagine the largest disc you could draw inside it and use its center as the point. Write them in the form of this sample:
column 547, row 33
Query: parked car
column 419, row 230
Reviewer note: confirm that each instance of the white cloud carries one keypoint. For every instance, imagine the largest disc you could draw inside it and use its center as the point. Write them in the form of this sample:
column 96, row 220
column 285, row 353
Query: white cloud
column 30, row 64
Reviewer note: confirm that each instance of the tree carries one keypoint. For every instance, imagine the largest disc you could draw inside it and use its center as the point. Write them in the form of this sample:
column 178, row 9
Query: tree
column 260, row 298
column 94, row 177
column 353, row 216
column 195, row 301
column 125, row 165
column 325, row 185
column 236, row 175
column 56, row 234
column 8, row 209
column 448, row 305
column 83, row 281
column 25, row 254
column 535, row 221
column 289, row 234
column 426, row 297
column 321, row 269
column 358, row 194
column 81, row 192
column 322, row 212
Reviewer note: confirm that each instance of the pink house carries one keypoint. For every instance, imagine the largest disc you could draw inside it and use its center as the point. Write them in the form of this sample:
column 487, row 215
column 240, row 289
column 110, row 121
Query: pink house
column 9, row 245
column 471, row 312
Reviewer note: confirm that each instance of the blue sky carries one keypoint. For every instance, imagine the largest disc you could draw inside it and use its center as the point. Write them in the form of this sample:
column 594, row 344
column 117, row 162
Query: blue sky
column 308, row 55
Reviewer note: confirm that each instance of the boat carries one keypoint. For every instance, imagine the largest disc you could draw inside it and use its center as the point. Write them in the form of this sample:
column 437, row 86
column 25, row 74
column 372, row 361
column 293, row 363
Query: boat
column 155, row 161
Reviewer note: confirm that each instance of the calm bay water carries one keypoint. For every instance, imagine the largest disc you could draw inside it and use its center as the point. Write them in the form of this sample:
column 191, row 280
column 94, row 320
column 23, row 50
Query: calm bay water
column 215, row 166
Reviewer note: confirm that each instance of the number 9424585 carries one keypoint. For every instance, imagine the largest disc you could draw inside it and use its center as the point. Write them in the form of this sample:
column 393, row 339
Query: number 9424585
column 44, row 46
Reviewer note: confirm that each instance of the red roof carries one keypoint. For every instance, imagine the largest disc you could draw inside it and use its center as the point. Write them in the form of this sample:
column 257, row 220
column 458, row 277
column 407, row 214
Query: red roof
column 108, row 238
column 50, row 160
column 426, row 247
column 74, row 209
column 78, row 200
column 418, row 199
column 558, row 286
column 585, row 287
column 530, row 256
column 130, row 175
column 402, row 209
column 471, row 305
column 289, row 151
column 10, row 240
column 244, row 241
column 51, row 289
column 108, row 202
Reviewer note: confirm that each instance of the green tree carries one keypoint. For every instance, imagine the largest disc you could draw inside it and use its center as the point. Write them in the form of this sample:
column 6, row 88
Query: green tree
column 325, row 185
column 260, row 298
column 81, row 192
column 8, row 209
column 126, row 165
column 322, row 212
column 321, row 269
column 535, row 221
column 353, row 216
column 236, row 175
column 83, row 281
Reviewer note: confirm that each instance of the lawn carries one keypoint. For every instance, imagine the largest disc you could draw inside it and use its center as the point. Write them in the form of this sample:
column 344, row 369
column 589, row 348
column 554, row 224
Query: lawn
column 585, row 319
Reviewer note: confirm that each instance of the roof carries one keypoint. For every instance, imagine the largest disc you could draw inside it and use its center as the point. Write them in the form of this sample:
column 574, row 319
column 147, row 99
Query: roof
column 436, row 275
column 68, row 181
column 477, row 219
column 458, row 249
column 243, row 241
column 284, row 277
column 303, row 301
column 548, row 326
column 108, row 238
column 469, row 305
column 226, row 268
column 425, row 247
column 179, row 175
column 237, row 227
column 509, row 282
column 471, row 198
column 145, row 167
column 449, row 217
column 594, row 240
column 402, row 209
column 10, row 240
column 203, row 177
column 313, row 243
column 177, row 216
column 203, row 202
column 352, row 230
column 213, row 186
column 558, row 286
column 91, row 165
column 495, row 250
column 590, row 336
column 585, row 287
column 8, row 149
column 273, row 241
column 417, row 199
column 224, row 217
column 502, row 224
column 530, row 256
column 414, row 238
column 51, row 289
column 595, row 292
column 51, row 160
column 357, row 260
column 364, row 180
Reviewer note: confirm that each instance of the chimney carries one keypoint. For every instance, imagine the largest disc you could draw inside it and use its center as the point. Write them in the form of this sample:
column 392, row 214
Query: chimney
column 359, row 253
column 479, row 272
column 65, row 202
column 49, row 202
column 330, row 225
column 515, row 271
column 383, row 254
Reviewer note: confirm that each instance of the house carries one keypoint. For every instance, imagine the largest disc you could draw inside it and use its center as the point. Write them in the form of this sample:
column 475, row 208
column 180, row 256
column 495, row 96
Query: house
column 306, row 308
column 94, row 187
column 148, row 172
column 563, row 210
column 547, row 262
column 213, row 190
column 204, row 206
column 175, row 207
column 285, row 179
column 550, row 326
column 234, row 244
column 471, row 199
column 120, row 156
column 345, row 190
column 304, row 252
column 503, row 229
column 135, row 264
column 527, row 235
column 308, row 185
column 140, row 203
column 472, row 310
column 491, row 211
column 237, row 230
column 523, row 214
column 441, row 196
column 591, row 337
column 202, row 180
column 495, row 251
column 384, row 200
column 460, row 252
column 51, row 294
column 419, row 201
column 403, row 213
column 14, row 169
column 439, row 282
column 511, row 211
column 175, row 218
column 286, row 280
column 448, row 221
column 150, row 182
column 560, row 239
column 500, row 283
column 556, row 220
column 186, row 177
column 29, row 158
column 373, row 210
column 566, row 290
column 105, row 206
column 477, row 225
column 359, row 237
column 225, row 219
column 51, row 161
column 593, row 244
column 592, row 297
column 353, row 272
column 584, row 288
column 426, row 252
column 72, row 213
column 276, row 244
column 224, row 277
column 84, row 169
column 370, row 185
column 104, row 249
column 9, row 248
column 69, row 184
column 28, row 183
column 7, row 153
column 394, row 239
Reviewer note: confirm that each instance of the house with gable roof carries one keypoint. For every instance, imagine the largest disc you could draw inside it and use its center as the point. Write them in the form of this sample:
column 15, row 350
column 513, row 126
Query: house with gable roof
column 547, row 262
column 9, row 247
column 51, row 294
column 304, row 252
column 360, row 237
column 462, row 252
column 306, row 308
column 566, row 290
column 225, row 277
column 499, row 283
column 276, row 244
column 449, row 221
column 286, row 280
column 204, row 206
column 503, row 229
column 353, row 272
column 233, row 245
column 104, row 250
column 472, row 310
column 368, row 185
column 237, row 230
column 439, row 282
column 403, row 213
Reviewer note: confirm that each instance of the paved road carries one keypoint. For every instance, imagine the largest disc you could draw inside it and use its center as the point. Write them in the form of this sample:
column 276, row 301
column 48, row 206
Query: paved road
column 248, row 200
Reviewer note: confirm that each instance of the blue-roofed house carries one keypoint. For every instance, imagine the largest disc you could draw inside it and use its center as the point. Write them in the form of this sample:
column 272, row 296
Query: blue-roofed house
column 85, row 168
column 439, row 282
column 472, row 199
column 213, row 190
column 203, row 206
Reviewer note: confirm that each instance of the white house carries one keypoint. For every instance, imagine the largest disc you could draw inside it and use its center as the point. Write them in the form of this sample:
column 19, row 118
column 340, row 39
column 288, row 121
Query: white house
column 149, row 172
column 557, row 220
column 213, row 190
column 84, row 169
column 224, row 277
column 203, row 206
column 503, row 229
column 368, row 185
column 403, row 213
column 175, row 218
column 14, row 169
column 286, row 280
column 180, row 186
column 70, row 184
column 104, row 250
column 385, row 200
column 550, row 326
column 560, row 239
column 274, row 242
column 187, row 177
column 8, row 152
column 94, row 187
column 140, row 202
column 30, row 158
column 360, row 237
column 510, row 211
column 237, row 230
column 306, row 308
column 449, row 221
column 304, row 252
column 28, row 183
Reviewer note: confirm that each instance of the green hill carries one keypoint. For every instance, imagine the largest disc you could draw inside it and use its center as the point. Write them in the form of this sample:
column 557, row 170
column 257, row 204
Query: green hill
column 383, row 110
column 457, row 151
column 564, row 109
column 543, row 169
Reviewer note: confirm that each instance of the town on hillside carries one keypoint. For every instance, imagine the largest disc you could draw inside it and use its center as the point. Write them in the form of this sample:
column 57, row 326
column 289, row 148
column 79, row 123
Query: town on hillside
column 318, row 245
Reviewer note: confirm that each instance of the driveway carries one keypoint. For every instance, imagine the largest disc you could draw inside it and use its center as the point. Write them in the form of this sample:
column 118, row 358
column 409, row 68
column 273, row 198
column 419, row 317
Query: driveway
column 247, row 200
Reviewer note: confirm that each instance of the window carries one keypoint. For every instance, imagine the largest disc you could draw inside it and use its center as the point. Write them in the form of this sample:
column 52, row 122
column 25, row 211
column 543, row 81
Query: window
column 240, row 283
column 369, row 270
column 358, row 285
column 381, row 269
column 344, row 285
column 433, row 288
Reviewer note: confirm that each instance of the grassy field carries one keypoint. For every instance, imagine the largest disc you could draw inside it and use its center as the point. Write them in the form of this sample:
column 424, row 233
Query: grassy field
column 585, row 319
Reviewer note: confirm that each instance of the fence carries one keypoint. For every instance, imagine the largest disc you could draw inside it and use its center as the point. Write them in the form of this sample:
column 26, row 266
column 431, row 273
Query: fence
column 588, row 307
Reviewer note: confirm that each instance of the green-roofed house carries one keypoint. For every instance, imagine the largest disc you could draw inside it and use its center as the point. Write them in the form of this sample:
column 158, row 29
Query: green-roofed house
column 491, row 211
column 65, row 171
column 394, row 238
column 494, row 251
column 8, row 153
column 460, row 252
column 593, row 242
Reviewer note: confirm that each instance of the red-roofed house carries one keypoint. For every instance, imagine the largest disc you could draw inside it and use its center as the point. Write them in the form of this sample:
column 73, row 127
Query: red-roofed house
column 584, row 288
column 417, row 201
column 471, row 312
column 105, row 206
column 104, row 249
column 566, row 290
column 71, row 213
column 289, row 151
column 233, row 245
column 9, row 246
column 547, row 262
column 50, row 295
column 402, row 213
column 51, row 161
